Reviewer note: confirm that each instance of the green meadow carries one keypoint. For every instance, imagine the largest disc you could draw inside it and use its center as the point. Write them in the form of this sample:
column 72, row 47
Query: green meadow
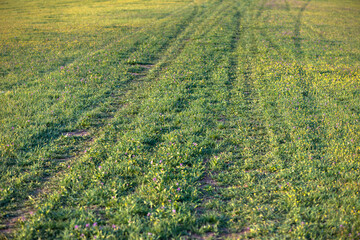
column 179, row 119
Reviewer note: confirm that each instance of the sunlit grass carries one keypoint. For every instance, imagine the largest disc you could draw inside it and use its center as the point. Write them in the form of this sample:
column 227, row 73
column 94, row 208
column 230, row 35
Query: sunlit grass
column 180, row 119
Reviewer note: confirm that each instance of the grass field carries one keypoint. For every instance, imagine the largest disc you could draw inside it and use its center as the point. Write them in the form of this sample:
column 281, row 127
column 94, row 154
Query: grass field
column 191, row 119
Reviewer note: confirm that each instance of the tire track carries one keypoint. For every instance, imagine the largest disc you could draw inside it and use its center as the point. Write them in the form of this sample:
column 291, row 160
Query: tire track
column 15, row 213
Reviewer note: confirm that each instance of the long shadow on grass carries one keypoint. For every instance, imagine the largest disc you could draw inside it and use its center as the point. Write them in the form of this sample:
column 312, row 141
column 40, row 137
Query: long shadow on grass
column 261, row 9
column 308, row 103
column 297, row 38
column 210, row 151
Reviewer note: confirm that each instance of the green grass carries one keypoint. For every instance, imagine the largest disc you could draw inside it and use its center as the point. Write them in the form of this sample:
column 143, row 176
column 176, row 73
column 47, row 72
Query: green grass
column 169, row 120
